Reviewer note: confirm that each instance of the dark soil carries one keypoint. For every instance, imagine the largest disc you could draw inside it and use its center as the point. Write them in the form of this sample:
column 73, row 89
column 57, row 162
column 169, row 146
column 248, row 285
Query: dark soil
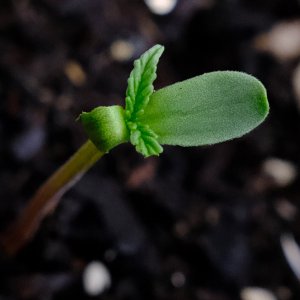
column 194, row 223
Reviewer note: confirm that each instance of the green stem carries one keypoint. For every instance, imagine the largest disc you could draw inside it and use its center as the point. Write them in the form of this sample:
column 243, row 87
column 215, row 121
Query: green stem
column 48, row 195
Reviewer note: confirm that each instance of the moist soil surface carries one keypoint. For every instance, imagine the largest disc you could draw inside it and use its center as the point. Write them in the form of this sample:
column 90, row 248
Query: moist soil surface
column 204, row 223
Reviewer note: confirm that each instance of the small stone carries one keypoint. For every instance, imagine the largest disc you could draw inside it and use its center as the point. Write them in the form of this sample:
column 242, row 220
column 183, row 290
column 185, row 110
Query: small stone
column 161, row 7
column 257, row 293
column 291, row 252
column 75, row 73
column 96, row 278
column 283, row 40
column 281, row 171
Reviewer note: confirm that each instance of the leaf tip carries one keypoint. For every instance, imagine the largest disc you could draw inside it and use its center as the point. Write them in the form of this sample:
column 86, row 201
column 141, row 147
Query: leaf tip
column 263, row 103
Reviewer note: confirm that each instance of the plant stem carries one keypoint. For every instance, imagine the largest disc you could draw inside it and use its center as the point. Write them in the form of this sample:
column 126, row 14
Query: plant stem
column 48, row 195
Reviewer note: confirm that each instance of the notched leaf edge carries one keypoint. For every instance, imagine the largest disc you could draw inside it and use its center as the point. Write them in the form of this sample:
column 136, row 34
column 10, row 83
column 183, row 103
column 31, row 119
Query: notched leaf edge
column 140, row 88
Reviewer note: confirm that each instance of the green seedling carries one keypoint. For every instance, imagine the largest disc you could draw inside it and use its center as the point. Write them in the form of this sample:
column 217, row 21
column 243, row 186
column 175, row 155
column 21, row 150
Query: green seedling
column 203, row 110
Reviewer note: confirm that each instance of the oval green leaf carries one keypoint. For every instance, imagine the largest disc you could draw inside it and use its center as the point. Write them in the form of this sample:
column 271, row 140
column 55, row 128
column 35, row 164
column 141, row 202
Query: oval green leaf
column 207, row 109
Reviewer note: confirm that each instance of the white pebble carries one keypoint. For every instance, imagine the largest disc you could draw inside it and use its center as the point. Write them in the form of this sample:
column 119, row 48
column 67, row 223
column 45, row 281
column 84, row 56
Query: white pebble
column 283, row 40
column 281, row 171
column 161, row 7
column 96, row 278
column 257, row 293
column 291, row 252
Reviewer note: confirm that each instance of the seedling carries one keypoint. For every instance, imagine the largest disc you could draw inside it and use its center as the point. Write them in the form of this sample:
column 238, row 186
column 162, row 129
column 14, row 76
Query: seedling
column 203, row 110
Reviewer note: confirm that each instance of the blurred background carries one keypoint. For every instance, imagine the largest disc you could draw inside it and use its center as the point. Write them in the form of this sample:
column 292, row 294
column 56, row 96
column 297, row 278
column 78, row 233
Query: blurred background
column 211, row 223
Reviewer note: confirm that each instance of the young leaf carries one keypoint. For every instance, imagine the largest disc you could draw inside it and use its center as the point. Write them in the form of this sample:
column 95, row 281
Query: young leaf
column 203, row 110
column 139, row 90
column 140, row 82
column 206, row 109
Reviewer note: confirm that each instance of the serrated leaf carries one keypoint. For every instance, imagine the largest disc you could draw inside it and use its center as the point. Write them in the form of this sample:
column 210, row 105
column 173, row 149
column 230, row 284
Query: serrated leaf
column 207, row 109
column 140, row 88
column 140, row 81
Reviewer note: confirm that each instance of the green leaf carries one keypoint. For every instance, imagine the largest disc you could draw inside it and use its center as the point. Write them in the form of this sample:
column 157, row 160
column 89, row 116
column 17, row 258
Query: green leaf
column 140, row 82
column 140, row 87
column 203, row 110
column 207, row 109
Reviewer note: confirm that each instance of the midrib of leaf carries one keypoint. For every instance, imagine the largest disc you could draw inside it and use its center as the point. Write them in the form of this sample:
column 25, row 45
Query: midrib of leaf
column 143, row 84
